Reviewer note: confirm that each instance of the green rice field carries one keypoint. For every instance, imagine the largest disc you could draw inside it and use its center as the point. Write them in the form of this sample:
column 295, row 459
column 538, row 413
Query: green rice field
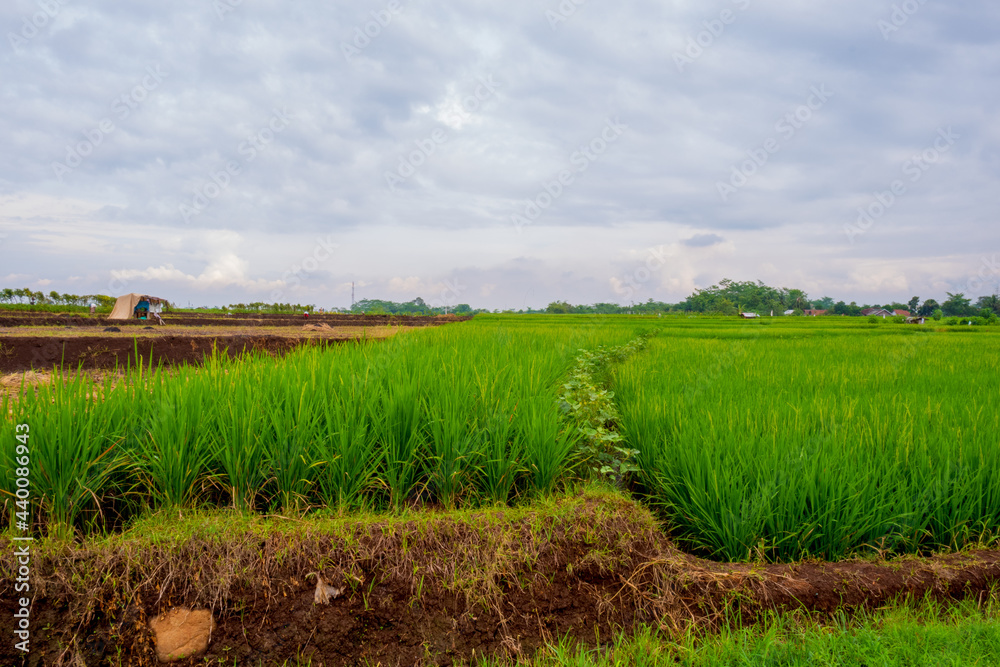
column 817, row 438
column 776, row 439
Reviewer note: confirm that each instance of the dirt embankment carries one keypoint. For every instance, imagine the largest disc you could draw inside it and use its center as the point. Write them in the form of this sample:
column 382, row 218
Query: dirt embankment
column 188, row 320
column 83, row 342
column 23, row 353
column 432, row 589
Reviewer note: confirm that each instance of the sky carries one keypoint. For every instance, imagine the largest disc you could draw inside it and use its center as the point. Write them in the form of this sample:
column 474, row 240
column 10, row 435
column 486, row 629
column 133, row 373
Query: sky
column 503, row 155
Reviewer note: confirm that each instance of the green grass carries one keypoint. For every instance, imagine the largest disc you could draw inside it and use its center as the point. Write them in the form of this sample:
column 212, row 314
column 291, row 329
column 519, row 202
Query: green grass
column 804, row 439
column 903, row 635
column 463, row 414
column 779, row 439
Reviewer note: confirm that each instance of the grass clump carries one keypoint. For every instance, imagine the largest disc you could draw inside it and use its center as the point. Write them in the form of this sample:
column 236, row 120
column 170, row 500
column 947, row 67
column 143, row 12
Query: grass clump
column 900, row 635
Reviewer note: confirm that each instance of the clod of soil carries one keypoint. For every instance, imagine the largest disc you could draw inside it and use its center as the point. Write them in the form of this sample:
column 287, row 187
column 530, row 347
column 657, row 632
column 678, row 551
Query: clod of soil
column 112, row 329
column 90, row 352
column 182, row 633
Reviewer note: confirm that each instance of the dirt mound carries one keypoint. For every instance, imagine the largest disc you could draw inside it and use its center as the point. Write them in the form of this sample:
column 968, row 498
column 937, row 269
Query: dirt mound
column 235, row 320
column 433, row 588
column 22, row 353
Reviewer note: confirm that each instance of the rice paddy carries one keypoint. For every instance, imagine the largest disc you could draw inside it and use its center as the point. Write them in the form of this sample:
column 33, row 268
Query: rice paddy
column 811, row 440
column 802, row 438
column 450, row 415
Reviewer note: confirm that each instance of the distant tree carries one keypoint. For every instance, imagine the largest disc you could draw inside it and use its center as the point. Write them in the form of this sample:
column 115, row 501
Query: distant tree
column 991, row 302
column 797, row 299
column 841, row 308
column 724, row 307
column 559, row 307
column 928, row 308
column 826, row 303
column 937, row 314
column 957, row 305
column 913, row 304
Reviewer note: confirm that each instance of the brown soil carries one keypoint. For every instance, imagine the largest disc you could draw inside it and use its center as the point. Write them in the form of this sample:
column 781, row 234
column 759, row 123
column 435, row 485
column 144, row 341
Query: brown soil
column 23, row 353
column 41, row 341
column 438, row 590
column 189, row 320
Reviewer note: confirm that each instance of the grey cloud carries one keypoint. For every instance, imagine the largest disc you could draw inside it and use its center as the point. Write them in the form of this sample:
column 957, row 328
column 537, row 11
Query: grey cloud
column 702, row 240
column 325, row 172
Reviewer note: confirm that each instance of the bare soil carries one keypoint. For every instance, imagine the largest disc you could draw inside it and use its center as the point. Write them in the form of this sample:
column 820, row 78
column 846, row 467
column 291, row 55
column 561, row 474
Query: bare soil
column 437, row 591
column 191, row 320
column 41, row 341
column 21, row 353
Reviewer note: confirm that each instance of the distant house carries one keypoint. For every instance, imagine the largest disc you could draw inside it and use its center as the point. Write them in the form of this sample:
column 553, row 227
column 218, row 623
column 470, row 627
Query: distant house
column 814, row 313
column 902, row 313
column 749, row 316
column 915, row 320
column 877, row 312
column 790, row 311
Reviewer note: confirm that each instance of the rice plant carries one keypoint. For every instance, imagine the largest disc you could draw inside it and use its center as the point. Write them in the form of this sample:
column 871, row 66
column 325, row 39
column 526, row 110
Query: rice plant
column 459, row 414
column 347, row 447
column 820, row 441
column 73, row 453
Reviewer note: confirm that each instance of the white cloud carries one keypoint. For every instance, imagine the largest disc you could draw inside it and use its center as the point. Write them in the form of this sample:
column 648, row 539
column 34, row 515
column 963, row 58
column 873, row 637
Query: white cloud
column 225, row 271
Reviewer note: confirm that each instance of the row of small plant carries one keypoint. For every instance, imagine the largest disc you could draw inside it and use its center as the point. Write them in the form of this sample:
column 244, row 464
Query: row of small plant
column 464, row 414
column 589, row 406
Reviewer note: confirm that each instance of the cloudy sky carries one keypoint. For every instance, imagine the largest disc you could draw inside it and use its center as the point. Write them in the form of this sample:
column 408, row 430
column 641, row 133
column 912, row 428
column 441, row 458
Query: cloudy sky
column 499, row 154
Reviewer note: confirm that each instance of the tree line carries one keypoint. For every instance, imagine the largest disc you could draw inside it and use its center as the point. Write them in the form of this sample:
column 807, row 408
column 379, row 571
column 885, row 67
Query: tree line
column 731, row 297
column 728, row 297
